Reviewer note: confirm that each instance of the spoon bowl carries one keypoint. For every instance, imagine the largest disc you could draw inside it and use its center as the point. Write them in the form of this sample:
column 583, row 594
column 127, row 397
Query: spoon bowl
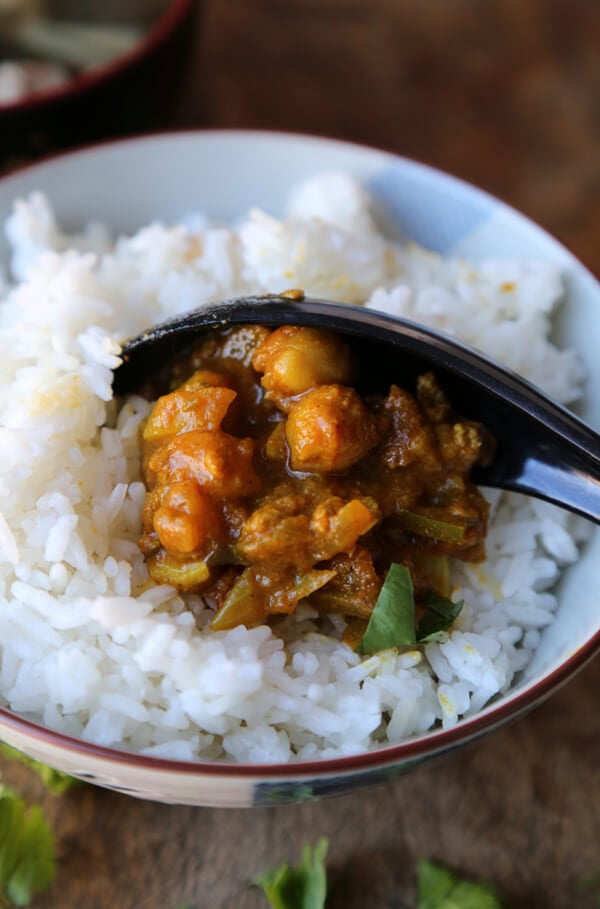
column 543, row 450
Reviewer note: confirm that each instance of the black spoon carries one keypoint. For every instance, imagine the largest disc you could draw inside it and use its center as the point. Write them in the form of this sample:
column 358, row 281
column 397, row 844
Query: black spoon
column 543, row 450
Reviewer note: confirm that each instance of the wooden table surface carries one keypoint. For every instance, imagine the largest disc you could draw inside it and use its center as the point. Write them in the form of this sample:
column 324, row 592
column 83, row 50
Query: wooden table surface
column 505, row 93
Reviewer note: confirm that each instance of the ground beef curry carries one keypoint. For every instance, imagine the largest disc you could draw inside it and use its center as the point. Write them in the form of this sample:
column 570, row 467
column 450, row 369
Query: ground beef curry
column 271, row 480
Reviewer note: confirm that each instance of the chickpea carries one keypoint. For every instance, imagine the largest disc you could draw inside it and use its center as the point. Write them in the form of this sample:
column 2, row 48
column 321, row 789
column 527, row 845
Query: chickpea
column 329, row 429
column 183, row 410
column 221, row 464
column 187, row 520
column 295, row 359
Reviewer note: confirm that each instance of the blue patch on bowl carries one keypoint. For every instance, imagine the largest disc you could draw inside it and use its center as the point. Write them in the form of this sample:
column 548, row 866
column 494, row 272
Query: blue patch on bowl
column 425, row 206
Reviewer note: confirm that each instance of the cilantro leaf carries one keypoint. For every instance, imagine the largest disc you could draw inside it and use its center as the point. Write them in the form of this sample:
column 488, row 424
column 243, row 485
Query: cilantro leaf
column 301, row 887
column 392, row 622
column 439, row 617
column 590, row 883
column 54, row 781
column 27, row 860
column 439, row 888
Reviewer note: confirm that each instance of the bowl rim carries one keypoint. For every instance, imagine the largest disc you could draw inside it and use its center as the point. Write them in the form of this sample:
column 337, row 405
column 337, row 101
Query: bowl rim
column 243, row 133
column 167, row 23
column 427, row 744
column 420, row 747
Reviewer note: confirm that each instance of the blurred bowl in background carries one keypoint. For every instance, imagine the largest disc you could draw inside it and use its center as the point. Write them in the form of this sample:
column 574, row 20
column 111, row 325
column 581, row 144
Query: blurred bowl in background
column 88, row 69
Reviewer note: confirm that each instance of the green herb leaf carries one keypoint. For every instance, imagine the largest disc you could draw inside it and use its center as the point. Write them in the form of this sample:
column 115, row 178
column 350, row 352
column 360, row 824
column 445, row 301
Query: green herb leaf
column 301, row 887
column 439, row 617
column 392, row 622
column 439, row 888
column 590, row 883
column 27, row 861
column 54, row 781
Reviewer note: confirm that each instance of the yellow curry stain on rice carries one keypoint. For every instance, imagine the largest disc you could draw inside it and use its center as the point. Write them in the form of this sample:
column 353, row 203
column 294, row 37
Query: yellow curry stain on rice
column 340, row 282
column 194, row 249
column 446, row 703
column 487, row 580
column 63, row 393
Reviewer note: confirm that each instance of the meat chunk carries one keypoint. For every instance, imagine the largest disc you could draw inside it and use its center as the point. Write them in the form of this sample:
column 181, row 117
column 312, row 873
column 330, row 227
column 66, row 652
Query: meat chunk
column 221, row 464
column 464, row 444
column 294, row 360
column 411, row 439
column 202, row 408
column 285, row 533
column 329, row 429
column 188, row 520
column 278, row 530
column 432, row 399
column 355, row 586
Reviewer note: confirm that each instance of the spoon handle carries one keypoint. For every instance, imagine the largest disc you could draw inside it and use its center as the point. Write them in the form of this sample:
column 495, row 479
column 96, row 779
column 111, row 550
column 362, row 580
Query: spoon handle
column 557, row 460
column 543, row 449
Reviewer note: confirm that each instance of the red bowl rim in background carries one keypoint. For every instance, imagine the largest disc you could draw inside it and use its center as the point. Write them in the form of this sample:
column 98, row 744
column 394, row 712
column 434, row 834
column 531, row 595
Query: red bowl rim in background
column 168, row 22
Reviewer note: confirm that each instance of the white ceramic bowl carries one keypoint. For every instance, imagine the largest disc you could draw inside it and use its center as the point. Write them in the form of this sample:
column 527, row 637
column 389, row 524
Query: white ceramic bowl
column 128, row 184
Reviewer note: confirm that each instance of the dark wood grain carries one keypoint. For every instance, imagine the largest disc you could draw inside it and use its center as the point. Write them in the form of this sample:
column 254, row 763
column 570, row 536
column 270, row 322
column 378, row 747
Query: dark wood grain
column 506, row 94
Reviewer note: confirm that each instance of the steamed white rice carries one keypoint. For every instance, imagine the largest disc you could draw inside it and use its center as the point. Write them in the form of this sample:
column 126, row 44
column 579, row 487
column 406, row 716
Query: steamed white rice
column 88, row 645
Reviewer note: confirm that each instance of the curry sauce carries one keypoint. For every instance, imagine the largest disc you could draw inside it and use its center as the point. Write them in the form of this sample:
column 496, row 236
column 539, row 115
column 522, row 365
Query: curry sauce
column 271, row 479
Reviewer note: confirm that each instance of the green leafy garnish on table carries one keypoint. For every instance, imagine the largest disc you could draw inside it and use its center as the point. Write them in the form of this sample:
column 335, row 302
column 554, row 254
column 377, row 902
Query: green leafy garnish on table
column 393, row 622
column 54, row 781
column 27, row 861
column 590, row 883
column 303, row 886
column 439, row 888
